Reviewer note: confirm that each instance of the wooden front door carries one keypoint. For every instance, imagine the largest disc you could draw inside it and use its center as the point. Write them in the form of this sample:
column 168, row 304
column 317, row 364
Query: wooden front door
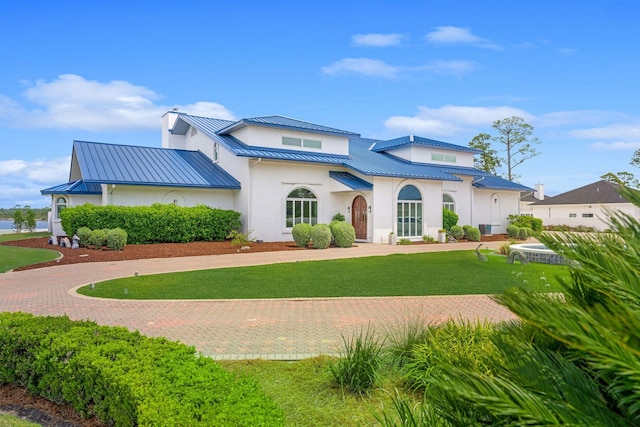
column 359, row 217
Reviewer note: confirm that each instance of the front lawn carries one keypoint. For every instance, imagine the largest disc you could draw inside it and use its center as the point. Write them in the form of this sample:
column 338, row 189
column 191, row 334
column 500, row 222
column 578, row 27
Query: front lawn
column 12, row 257
column 439, row 273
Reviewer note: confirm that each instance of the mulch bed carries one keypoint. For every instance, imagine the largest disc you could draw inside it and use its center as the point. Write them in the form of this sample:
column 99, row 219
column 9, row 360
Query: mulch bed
column 161, row 250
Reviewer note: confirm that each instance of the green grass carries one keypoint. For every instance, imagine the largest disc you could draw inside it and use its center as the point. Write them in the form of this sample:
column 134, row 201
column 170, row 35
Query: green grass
column 12, row 257
column 307, row 392
column 440, row 273
column 11, row 421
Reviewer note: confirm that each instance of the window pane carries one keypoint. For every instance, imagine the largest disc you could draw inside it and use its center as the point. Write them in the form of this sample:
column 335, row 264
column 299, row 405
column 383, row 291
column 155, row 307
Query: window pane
column 409, row 192
column 312, row 143
column 412, row 219
column 314, row 212
column 297, row 212
column 301, row 193
column 400, row 220
column 291, row 141
column 418, row 219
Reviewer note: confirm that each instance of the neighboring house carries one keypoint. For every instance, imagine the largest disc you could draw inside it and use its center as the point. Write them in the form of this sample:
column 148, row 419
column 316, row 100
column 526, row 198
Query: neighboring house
column 529, row 197
column 587, row 206
column 277, row 172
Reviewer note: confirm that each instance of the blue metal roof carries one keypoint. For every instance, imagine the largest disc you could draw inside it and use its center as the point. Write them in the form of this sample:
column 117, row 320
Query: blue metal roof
column 205, row 124
column 351, row 181
column 368, row 162
column 134, row 165
column 418, row 140
column 74, row 187
column 282, row 122
column 491, row 182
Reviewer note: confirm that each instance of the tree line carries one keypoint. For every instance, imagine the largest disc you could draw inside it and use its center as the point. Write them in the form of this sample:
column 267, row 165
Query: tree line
column 39, row 213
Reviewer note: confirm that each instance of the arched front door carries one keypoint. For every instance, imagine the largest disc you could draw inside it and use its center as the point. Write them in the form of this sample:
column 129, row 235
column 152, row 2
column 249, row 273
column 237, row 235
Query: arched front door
column 359, row 217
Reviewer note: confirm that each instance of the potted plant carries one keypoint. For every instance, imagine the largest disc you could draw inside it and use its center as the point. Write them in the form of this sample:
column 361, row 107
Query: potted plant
column 442, row 235
column 392, row 238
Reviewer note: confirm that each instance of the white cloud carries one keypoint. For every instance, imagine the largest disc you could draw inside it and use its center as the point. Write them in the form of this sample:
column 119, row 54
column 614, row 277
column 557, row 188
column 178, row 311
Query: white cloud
column 362, row 66
column 73, row 102
column 449, row 35
column 453, row 67
column 451, row 120
column 614, row 131
column 42, row 171
column 616, row 146
column 377, row 40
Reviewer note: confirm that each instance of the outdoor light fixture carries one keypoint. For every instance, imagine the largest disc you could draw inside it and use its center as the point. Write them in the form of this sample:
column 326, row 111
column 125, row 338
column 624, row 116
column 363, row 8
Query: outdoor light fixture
column 369, row 208
column 348, row 209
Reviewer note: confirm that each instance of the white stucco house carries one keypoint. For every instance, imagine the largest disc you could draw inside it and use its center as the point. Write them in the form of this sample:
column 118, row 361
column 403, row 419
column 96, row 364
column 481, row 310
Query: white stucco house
column 277, row 171
column 588, row 206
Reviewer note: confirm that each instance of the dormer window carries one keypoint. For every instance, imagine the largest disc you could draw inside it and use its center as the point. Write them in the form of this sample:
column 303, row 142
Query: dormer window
column 447, row 158
column 301, row 142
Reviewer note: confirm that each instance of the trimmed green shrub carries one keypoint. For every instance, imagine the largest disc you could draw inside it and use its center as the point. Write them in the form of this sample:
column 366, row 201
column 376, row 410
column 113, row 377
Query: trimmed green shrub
column 337, row 217
column 513, row 231
column 523, row 233
column 84, row 233
column 343, row 234
column 156, row 223
column 466, row 228
column 526, row 221
column 320, row 236
column 457, row 232
column 404, row 241
column 301, row 234
column 98, row 238
column 124, row 378
column 116, row 239
column 473, row 234
column 449, row 219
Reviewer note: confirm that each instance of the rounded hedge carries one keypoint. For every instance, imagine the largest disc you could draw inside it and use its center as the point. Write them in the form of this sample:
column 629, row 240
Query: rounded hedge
column 301, row 234
column 473, row 234
column 116, row 239
column 523, row 233
column 84, row 233
column 344, row 234
column 320, row 236
column 98, row 238
column 513, row 231
column 457, row 232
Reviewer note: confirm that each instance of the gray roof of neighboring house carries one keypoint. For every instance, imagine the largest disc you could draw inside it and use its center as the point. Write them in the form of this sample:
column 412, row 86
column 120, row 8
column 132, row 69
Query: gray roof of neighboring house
column 134, row 165
column 600, row 192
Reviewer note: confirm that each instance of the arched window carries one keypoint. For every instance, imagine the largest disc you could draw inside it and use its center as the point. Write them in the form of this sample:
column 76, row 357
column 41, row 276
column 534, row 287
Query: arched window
column 409, row 212
column 61, row 203
column 301, row 206
column 448, row 203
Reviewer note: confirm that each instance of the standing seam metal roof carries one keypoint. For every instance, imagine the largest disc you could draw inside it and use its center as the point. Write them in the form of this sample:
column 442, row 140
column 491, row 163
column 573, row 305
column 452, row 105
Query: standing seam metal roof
column 418, row 140
column 124, row 164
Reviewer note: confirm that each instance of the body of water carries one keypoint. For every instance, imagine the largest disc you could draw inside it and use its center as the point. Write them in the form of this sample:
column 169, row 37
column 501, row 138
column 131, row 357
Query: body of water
column 7, row 224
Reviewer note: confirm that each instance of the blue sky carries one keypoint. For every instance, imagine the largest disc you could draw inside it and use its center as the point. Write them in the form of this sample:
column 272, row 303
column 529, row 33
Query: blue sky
column 107, row 71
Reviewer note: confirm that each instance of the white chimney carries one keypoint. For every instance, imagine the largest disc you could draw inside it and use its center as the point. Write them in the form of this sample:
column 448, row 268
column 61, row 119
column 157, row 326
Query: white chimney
column 168, row 120
column 539, row 193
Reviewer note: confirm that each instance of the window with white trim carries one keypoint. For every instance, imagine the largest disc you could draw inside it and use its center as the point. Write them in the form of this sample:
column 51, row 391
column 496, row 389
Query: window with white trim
column 447, row 158
column 572, row 215
column 409, row 212
column 448, row 203
column 301, row 142
column 587, row 215
column 61, row 204
column 301, row 206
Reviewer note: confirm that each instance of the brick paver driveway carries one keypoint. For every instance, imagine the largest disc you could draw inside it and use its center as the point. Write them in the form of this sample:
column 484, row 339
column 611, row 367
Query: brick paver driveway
column 284, row 329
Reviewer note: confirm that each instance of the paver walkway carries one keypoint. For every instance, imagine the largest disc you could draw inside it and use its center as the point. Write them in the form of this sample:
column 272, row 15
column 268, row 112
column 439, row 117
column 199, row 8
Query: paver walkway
column 284, row 329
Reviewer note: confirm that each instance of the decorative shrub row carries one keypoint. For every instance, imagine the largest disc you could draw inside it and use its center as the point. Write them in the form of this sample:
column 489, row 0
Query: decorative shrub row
column 154, row 224
column 468, row 232
column 124, row 378
column 115, row 239
column 524, row 221
column 521, row 233
column 320, row 235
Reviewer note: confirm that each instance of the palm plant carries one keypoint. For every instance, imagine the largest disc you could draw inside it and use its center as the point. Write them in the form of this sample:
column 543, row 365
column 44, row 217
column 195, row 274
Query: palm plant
column 591, row 374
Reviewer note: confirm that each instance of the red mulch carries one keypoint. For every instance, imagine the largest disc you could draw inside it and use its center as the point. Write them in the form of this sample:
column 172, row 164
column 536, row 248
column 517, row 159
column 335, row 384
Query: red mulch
column 157, row 250
column 161, row 250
